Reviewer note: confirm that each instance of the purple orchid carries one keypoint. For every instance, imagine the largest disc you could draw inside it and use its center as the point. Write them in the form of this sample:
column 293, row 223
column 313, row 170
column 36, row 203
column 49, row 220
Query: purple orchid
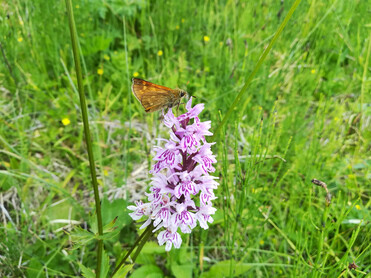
column 180, row 179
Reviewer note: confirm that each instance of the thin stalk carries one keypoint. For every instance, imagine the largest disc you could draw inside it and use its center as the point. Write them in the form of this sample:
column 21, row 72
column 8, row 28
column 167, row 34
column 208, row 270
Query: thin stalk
column 76, row 56
column 142, row 243
column 363, row 85
column 256, row 68
column 138, row 243
column 128, row 80
column 8, row 65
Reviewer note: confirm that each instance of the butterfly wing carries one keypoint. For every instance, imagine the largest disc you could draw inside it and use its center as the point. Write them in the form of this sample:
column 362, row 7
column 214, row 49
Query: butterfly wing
column 141, row 87
column 157, row 100
column 153, row 97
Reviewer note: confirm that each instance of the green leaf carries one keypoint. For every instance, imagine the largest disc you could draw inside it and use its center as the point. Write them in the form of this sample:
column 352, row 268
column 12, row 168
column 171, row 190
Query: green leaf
column 62, row 210
column 110, row 226
column 109, row 235
column 223, row 268
column 123, row 271
column 35, row 267
column 87, row 272
column 152, row 247
column 94, row 44
column 105, row 265
column 93, row 223
column 148, row 271
column 115, row 209
column 147, row 255
column 182, row 271
column 81, row 237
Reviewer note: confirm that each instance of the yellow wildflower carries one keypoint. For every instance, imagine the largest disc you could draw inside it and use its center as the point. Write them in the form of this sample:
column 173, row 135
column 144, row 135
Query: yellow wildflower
column 6, row 164
column 105, row 172
column 20, row 39
column 177, row 27
column 261, row 242
column 160, row 53
column 313, row 71
column 206, row 38
column 106, row 57
column 136, row 74
column 183, row 20
column 358, row 207
column 100, row 71
column 21, row 22
column 66, row 121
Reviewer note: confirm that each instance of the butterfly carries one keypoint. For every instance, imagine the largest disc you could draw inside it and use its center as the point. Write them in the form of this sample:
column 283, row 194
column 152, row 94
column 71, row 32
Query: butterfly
column 155, row 97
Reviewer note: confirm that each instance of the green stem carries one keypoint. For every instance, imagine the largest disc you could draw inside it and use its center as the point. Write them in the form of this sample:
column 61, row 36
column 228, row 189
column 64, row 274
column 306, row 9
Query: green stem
column 257, row 66
column 142, row 239
column 142, row 243
column 88, row 140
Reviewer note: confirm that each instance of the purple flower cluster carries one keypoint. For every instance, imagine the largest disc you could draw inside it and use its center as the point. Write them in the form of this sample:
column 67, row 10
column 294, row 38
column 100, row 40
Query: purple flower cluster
column 182, row 189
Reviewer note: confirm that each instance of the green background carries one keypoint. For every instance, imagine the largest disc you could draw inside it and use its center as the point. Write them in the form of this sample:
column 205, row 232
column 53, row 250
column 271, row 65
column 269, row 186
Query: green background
column 305, row 115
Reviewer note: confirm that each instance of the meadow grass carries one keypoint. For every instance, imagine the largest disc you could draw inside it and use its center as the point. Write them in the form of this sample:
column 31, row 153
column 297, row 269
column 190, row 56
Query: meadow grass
column 306, row 114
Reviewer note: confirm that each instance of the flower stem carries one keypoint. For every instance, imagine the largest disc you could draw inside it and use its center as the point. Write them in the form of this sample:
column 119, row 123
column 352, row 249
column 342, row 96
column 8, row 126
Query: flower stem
column 88, row 140
column 142, row 239
column 142, row 243
column 257, row 66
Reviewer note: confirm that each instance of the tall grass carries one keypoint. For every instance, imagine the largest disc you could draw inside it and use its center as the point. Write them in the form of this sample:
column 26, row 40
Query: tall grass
column 305, row 116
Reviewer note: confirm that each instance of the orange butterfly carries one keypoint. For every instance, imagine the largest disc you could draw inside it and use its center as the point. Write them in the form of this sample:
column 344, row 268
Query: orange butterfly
column 155, row 97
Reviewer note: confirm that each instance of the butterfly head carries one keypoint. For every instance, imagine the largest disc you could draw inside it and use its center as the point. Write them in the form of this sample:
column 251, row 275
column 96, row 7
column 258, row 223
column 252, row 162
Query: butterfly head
column 182, row 93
